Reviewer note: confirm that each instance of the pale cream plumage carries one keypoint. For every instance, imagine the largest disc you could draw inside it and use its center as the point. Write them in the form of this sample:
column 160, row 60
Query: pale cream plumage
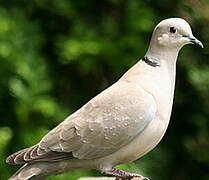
column 119, row 125
column 105, row 124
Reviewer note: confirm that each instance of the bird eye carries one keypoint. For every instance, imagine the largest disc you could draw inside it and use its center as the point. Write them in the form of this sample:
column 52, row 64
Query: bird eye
column 172, row 30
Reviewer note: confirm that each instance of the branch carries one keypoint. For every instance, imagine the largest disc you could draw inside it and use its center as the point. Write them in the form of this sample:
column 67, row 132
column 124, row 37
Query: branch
column 104, row 178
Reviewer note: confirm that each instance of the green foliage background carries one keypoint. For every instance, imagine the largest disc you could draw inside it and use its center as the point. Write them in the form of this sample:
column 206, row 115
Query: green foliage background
column 55, row 55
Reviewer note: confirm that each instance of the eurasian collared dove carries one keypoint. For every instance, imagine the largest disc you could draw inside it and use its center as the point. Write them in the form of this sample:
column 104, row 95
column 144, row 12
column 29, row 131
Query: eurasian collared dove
column 119, row 125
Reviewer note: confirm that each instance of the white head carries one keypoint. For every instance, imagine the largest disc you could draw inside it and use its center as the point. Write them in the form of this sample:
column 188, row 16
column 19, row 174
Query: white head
column 174, row 33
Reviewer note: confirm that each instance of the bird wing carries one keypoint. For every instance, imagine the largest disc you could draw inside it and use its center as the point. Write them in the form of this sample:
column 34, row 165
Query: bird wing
column 105, row 124
column 101, row 127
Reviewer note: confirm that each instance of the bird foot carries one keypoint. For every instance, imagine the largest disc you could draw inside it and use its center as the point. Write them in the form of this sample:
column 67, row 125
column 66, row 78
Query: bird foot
column 123, row 175
column 129, row 178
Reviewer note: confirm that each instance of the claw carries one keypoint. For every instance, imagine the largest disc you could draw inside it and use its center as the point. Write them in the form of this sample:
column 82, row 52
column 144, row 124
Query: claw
column 145, row 178
column 122, row 175
column 131, row 177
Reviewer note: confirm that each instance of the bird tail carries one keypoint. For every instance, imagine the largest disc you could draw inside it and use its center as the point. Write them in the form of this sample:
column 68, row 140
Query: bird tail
column 37, row 171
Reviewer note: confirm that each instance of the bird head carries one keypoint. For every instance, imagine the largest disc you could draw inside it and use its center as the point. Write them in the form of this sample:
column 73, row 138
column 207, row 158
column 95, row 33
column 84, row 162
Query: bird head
column 174, row 33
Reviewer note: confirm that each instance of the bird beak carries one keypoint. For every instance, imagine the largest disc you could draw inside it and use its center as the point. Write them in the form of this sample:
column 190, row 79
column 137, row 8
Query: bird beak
column 195, row 41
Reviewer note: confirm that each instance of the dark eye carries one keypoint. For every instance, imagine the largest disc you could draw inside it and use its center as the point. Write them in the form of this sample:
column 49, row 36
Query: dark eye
column 172, row 30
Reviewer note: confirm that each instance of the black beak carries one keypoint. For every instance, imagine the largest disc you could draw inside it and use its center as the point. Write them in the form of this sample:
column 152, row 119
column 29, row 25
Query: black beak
column 195, row 41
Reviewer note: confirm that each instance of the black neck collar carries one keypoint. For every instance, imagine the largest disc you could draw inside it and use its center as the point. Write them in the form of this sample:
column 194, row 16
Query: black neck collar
column 155, row 62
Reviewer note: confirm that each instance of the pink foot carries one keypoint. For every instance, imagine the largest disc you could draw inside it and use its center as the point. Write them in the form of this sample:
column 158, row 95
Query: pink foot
column 123, row 175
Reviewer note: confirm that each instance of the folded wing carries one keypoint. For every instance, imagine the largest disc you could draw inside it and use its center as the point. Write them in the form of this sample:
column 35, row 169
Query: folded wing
column 101, row 127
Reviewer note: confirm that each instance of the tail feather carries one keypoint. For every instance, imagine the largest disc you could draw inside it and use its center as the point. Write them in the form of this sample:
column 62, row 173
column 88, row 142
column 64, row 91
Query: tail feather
column 36, row 154
column 18, row 157
column 39, row 163
column 36, row 171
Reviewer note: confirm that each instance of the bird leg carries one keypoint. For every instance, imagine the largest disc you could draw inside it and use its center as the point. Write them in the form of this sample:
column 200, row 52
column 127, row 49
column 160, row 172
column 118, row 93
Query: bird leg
column 123, row 175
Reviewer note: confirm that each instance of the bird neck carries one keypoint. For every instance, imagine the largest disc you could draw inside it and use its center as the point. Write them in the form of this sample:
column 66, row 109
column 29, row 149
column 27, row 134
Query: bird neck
column 164, row 54
column 165, row 57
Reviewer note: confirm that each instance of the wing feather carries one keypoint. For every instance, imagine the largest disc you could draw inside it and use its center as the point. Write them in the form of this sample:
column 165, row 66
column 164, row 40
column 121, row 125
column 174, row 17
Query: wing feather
column 105, row 124
column 101, row 127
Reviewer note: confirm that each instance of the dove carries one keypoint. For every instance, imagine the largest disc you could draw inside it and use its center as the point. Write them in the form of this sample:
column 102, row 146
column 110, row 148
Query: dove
column 119, row 125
